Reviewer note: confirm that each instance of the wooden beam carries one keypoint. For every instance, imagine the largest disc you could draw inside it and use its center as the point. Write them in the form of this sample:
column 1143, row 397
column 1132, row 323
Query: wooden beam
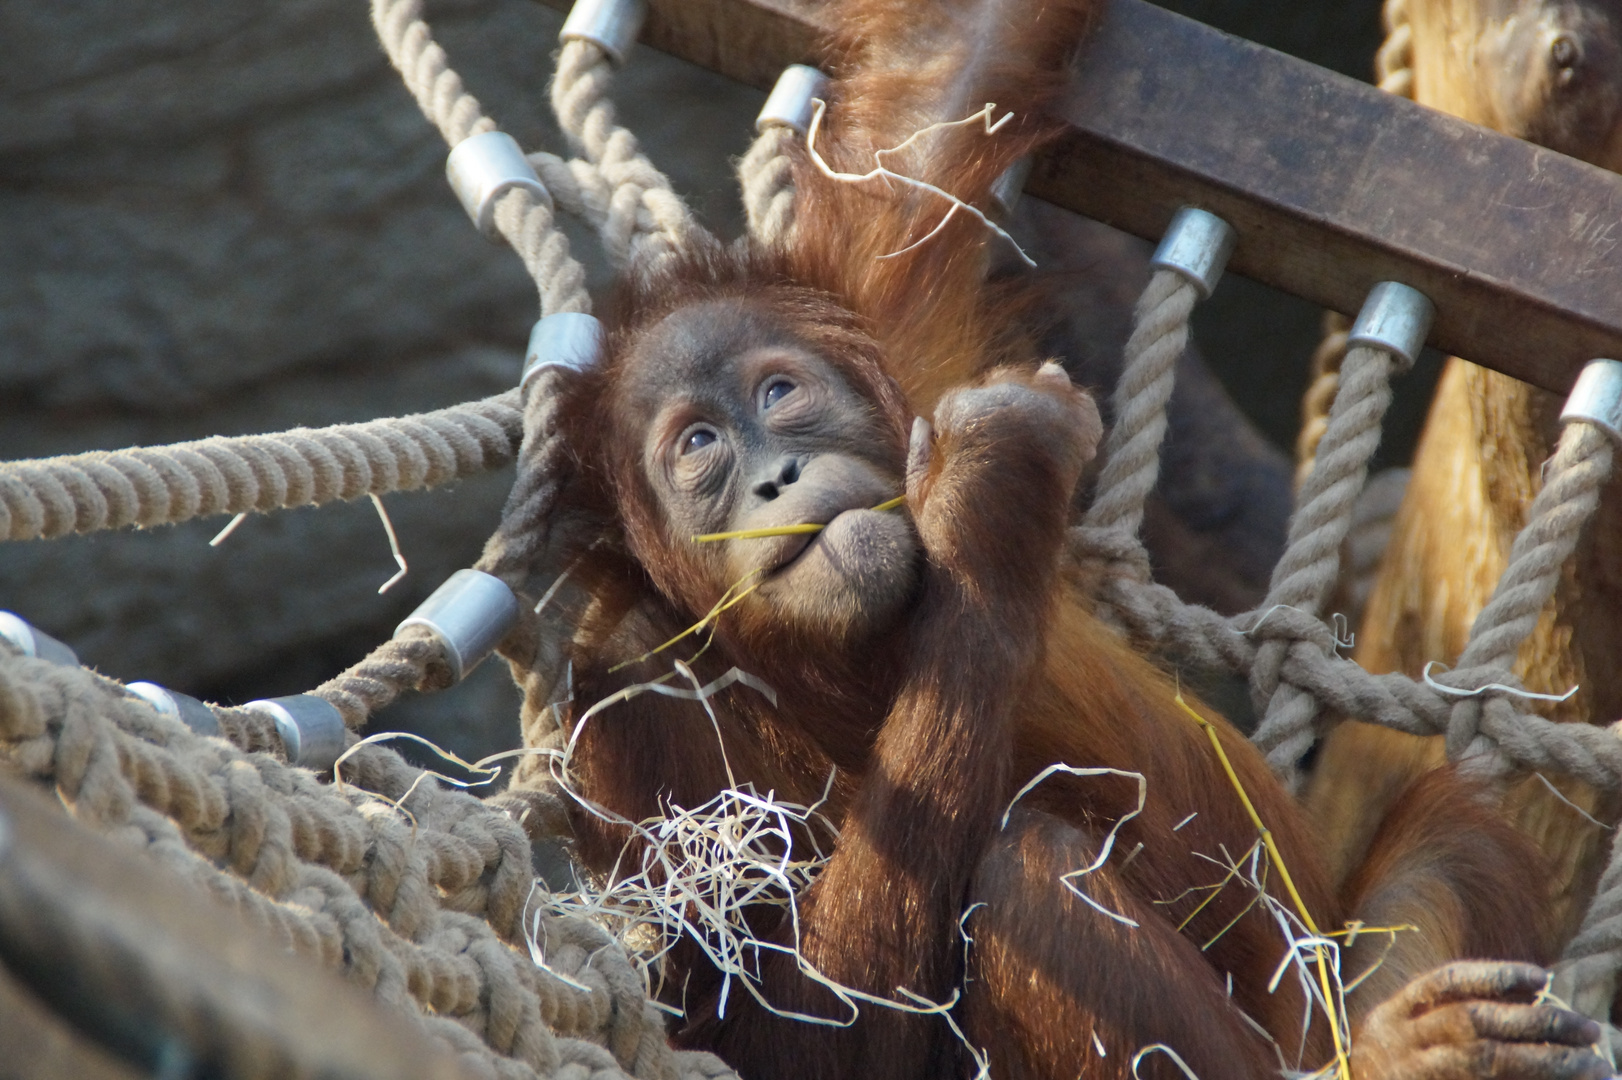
column 1331, row 184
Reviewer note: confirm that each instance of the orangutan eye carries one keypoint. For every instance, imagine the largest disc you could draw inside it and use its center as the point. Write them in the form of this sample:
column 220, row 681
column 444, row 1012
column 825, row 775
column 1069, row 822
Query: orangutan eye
column 697, row 439
column 776, row 391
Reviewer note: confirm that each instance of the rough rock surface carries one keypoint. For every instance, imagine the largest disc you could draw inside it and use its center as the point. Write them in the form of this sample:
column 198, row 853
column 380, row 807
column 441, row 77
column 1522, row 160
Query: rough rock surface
column 228, row 218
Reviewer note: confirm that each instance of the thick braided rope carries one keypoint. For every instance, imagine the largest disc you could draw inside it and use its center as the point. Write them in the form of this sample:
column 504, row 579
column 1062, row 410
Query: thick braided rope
column 766, row 176
column 424, row 68
column 1306, row 574
column 422, row 910
column 1394, row 63
column 588, row 189
column 1393, row 73
column 645, row 218
column 526, row 520
column 1327, row 359
column 401, row 664
column 163, row 485
column 416, row 660
column 1153, row 615
column 1580, row 467
column 524, row 218
column 576, row 186
column 1587, row 973
column 1132, row 451
column 532, row 230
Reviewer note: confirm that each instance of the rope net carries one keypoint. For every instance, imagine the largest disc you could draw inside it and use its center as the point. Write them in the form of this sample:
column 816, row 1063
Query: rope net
column 425, row 896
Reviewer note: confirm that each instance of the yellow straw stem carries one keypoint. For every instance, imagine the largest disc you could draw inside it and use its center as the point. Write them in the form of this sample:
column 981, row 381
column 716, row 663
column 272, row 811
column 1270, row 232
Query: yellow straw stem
column 729, row 599
column 784, row 530
column 1342, row 1062
column 756, row 534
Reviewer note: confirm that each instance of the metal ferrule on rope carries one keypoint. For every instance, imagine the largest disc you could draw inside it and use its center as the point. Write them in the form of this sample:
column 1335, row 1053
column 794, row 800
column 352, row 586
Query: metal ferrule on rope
column 483, row 168
column 1007, row 188
column 312, row 729
column 565, row 339
column 34, row 642
column 469, row 615
column 611, row 25
column 1396, row 318
column 1196, row 245
column 177, row 706
column 1597, row 398
column 790, row 102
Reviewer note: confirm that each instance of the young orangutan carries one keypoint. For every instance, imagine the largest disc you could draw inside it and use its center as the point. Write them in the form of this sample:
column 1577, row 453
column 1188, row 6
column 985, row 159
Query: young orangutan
column 933, row 662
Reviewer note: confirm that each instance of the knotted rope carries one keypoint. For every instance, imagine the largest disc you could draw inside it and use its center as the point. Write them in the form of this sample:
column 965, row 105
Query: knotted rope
column 1393, row 73
column 416, row 893
column 523, row 217
column 1306, row 574
column 1320, row 394
column 1580, row 467
column 1587, row 974
column 643, row 217
column 1301, row 674
column 1109, row 530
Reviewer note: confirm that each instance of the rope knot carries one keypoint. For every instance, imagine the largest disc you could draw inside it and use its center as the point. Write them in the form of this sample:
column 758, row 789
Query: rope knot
column 1477, row 690
column 1275, row 630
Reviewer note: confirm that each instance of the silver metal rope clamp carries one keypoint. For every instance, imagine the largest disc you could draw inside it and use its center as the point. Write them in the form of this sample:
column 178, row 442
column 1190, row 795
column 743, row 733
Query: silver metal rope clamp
column 1196, row 245
column 1397, row 318
column 611, row 25
column 1007, row 188
column 34, row 642
column 1597, row 397
column 485, row 167
column 789, row 103
column 177, row 706
column 469, row 614
column 312, row 729
column 565, row 339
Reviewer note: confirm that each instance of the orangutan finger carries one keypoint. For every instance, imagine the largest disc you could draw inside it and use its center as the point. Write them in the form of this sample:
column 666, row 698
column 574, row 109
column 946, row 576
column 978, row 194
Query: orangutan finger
column 1471, row 1021
column 1473, row 980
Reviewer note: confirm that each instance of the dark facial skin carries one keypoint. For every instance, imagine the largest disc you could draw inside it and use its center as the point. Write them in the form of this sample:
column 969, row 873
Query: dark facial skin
column 747, row 427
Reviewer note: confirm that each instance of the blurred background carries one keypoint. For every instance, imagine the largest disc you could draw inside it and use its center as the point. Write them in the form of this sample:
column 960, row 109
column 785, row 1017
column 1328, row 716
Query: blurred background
column 231, row 218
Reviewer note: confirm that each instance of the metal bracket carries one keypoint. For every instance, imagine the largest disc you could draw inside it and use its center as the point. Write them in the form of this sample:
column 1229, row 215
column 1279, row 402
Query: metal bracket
column 485, row 167
column 177, row 706
column 312, row 729
column 611, row 25
column 789, row 104
column 1196, row 245
column 565, row 339
column 1394, row 317
column 469, row 614
column 1597, row 397
column 34, row 642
